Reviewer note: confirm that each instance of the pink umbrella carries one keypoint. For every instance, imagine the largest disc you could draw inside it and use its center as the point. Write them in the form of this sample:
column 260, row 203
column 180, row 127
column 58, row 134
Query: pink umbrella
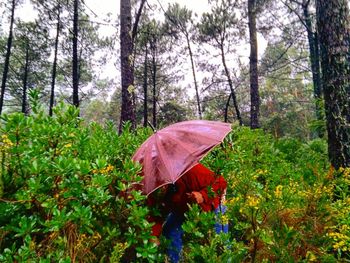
column 172, row 151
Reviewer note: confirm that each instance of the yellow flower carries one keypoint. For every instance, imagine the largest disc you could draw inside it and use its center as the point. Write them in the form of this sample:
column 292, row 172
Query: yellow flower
column 224, row 219
column 260, row 171
column 253, row 201
column 346, row 173
column 311, row 256
column 232, row 201
column 278, row 191
column 107, row 169
column 344, row 228
column 341, row 241
column 347, row 200
column 339, row 245
column 5, row 142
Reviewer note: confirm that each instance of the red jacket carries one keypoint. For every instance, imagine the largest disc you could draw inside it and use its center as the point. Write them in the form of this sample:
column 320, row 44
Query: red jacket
column 199, row 179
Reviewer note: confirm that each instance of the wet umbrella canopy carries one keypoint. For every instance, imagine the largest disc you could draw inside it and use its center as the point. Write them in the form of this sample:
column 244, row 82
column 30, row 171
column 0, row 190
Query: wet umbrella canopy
column 170, row 152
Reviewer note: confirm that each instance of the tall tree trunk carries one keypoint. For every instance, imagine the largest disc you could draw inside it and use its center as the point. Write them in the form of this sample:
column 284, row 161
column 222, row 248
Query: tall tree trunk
column 137, row 20
column 226, row 108
column 25, row 81
column 253, row 66
column 127, row 72
column 54, row 65
column 233, row 94
column 333, row 28
column 7, row 57
column 314, row 59
column 145, row 89
column 75, row 61
column 194, row 76
column 154, row 91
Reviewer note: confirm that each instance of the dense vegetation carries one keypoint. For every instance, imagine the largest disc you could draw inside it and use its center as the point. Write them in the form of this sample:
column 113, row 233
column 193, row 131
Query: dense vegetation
column 66, row 173
column 61, row 200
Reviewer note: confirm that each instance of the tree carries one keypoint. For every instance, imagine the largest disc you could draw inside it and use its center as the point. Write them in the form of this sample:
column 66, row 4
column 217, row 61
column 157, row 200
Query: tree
column 308, row 20
column 75, row 59
column 114, row 108
column 333, row 28
column 54, row 65
column 314, row 57
column 215, row 106
column 126, row 59
column 253, row 65
column 179, row 21
column 221, row 28
column 153, row 41
column 286, row 90
column 128, row 33
column 51, row 15
column 8, row 54
column 145, row 88
column 171, row 112
column 89, row 42
column 28, row 65
column 154, row 69
column 95, row 110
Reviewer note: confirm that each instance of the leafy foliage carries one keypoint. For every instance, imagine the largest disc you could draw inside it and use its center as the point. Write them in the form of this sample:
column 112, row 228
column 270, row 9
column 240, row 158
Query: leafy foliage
column 65, row 197
column 62, row 191
column 281, row 199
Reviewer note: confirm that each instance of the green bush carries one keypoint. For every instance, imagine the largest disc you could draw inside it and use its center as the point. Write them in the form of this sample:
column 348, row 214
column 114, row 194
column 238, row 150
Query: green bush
column 280, row 199
column 61, row 191
column 65, row 197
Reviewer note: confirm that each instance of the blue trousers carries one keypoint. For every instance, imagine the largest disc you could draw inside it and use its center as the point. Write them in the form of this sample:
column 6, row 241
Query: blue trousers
column 218, row 226
column 172, row 230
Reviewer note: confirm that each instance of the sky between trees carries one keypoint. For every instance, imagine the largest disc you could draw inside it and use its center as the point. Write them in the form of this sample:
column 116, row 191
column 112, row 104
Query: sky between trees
column 102, row 10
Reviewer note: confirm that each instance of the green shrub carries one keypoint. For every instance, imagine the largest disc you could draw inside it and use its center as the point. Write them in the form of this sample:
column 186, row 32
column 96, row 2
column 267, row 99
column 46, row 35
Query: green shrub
column 61, row 185
column 279, row 197
column 65, row 197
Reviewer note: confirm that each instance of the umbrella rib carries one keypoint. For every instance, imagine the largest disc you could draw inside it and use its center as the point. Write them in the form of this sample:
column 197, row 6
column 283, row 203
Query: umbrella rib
column 161, row 157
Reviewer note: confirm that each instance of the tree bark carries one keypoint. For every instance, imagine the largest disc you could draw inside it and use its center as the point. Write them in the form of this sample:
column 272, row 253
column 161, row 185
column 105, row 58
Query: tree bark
column 194, row 76
column 145, row 89
column 127, row 72
column 154, row 91
column 333, row 28
column 314, row 60
column 75, row 62
column 54, row 65
column 7, row 57
column 226, row 108
column 233, row 94
column 253, row 66
column 25, row 81
column 137, row 20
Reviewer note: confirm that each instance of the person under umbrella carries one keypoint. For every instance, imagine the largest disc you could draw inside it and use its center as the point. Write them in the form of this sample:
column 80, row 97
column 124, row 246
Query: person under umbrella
column 198, row 185
column 170, row 160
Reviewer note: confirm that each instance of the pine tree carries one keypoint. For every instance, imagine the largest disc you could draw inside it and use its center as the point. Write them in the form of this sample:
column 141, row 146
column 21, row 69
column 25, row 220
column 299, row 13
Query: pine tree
column 333, row 28
column 180, row 24
column 8, row 54
column 253, row 65
column 222, row 30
